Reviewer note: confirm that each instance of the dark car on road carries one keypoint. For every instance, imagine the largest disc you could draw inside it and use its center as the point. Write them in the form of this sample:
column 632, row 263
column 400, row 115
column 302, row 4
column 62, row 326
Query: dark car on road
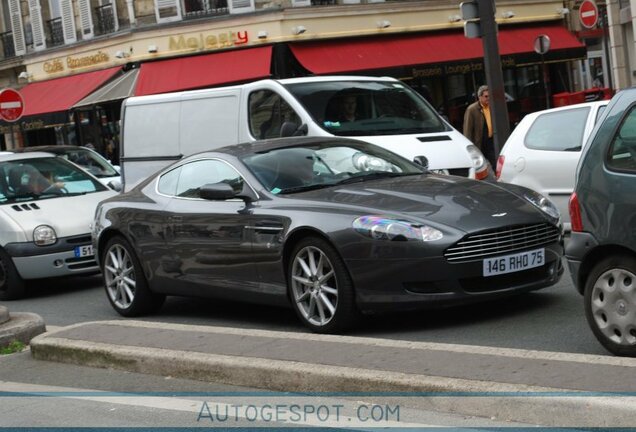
column 331, row 226
column 601, row 252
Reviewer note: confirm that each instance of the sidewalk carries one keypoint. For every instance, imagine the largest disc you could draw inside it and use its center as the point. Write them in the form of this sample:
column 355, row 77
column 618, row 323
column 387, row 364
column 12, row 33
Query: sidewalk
column 516, row 385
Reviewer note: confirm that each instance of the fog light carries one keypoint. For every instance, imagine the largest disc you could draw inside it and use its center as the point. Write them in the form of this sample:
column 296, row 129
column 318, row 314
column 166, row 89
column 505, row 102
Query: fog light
column 58, row 263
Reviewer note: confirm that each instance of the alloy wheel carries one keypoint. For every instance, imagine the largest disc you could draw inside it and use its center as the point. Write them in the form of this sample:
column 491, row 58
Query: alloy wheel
column 119, row 275
column 613, row 305
column 314, row 286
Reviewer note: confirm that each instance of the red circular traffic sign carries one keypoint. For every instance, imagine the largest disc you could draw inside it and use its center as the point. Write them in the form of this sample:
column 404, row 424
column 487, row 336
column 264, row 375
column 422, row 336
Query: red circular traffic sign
column 588, row 14
column 11, row 105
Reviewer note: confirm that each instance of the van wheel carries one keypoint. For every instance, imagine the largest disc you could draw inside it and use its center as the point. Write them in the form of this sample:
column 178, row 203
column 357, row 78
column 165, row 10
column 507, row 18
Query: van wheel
column 320, row 287
column 610, row 304
column 12, row 285
column 126, row 285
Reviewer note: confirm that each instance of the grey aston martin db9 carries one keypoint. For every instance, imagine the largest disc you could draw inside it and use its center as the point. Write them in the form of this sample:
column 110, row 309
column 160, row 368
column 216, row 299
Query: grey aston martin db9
column 331, row 226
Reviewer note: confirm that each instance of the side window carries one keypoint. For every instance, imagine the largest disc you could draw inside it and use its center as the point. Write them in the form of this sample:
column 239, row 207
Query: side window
column 268, row 111
column 199, row 173
column 168, row 182
column 622, row 151
column 558, row 131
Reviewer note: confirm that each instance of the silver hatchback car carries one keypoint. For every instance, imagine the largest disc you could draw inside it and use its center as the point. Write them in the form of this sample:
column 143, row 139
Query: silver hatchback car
column 46, row 209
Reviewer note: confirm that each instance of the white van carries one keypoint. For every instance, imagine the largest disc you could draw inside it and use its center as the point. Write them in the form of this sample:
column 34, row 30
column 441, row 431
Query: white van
column 159, row 129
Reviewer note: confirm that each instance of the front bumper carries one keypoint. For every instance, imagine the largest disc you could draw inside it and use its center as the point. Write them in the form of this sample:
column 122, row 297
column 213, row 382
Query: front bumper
column 37, row 262
column 425, row 283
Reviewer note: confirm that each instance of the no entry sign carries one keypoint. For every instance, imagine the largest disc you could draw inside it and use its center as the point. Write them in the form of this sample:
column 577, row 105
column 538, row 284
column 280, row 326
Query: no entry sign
column 11, row 105
column 588, row 14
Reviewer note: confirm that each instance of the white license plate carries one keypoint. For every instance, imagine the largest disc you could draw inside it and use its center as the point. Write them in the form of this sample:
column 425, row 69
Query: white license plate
column 83, row 251
column 514, row 263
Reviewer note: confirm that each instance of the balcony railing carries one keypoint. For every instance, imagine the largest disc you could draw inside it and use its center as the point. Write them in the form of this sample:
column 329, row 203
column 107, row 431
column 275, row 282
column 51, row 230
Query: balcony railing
column 201, row 8
column 7, row 44
column 56, row 31
column 105, row 19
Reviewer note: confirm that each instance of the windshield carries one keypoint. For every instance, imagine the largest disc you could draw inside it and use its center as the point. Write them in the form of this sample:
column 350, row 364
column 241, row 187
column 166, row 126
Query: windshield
column 43, row 178
column 362, row 108
column 91, row 161
column 296, row 169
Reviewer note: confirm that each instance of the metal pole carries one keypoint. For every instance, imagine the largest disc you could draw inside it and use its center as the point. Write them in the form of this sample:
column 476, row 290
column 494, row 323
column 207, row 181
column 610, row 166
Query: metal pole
column 609, row 82
column 494, row 75
column 545, row 82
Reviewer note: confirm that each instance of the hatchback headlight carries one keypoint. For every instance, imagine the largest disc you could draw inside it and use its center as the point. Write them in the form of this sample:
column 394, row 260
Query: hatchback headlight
column 542, row 203
column 44, row 235
column 380, row 228
column 476, row 156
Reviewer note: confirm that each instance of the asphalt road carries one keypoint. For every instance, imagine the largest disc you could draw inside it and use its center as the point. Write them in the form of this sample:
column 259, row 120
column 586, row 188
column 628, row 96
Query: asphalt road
column 549, row 320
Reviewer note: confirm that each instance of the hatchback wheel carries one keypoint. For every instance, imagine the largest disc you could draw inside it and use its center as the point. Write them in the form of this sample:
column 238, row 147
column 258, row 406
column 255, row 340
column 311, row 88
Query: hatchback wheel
column 610, row 304
column 11, row 284
column 321, row 289
column 126, row 286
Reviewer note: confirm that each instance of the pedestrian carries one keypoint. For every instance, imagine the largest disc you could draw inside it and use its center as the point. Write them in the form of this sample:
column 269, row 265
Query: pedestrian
column 478, row 125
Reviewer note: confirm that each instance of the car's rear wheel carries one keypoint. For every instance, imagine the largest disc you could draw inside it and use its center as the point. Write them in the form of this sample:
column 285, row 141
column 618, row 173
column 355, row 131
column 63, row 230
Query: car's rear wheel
column 320, row 287
column 126, row 285
column 12, row 286
column 610, row 304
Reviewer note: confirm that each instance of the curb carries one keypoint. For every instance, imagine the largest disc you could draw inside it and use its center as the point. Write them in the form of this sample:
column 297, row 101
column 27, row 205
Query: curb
column 510, row 402
column 22, row 327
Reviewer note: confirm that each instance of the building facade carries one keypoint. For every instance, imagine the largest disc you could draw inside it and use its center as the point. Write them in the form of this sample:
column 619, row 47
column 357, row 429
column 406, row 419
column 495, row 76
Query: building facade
column 75, row 60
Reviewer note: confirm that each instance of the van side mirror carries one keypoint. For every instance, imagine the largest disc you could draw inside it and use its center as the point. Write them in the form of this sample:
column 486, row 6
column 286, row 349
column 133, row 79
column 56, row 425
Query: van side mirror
column 115, row 185
column 292, row 129
column 422, row 161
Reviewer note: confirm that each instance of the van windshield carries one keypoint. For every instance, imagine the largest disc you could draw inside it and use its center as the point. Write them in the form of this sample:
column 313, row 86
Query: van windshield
column 362, row 108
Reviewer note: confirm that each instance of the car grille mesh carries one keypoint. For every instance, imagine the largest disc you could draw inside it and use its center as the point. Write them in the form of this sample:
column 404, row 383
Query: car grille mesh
column 501, row 241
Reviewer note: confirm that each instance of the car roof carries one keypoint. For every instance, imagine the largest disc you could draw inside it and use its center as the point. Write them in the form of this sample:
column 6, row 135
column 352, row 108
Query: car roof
column 57, row 149
column 569, row 107
column 334, row 78
column 278, row 143
column 9, row 157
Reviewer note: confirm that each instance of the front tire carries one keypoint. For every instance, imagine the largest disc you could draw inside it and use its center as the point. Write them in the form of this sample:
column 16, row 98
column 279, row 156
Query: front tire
column 610, row 304
column 126, row 285
column 12, row 285
column 321, row 289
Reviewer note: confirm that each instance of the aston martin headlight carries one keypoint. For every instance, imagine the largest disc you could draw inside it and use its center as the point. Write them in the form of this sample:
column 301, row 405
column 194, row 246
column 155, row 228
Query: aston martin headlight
column 542, row 203
column 44, row 235
column 380, row 228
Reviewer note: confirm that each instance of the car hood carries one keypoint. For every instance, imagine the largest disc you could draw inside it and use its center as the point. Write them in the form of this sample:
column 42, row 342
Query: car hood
column 467, row 205
column 69, row 216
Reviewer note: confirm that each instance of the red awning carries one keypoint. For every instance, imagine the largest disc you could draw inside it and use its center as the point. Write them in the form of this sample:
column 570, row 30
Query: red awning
column 386, row 52
column 204, row 71
column 62, row 93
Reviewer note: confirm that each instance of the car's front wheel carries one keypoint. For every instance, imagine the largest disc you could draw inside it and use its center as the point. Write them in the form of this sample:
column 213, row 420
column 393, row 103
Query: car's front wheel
column 320, row 287
column 610, row 304
column 12, row 286
column 126, row 285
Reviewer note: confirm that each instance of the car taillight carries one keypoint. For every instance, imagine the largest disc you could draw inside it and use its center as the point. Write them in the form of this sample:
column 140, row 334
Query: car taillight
column 500, row 162
column 575, row 213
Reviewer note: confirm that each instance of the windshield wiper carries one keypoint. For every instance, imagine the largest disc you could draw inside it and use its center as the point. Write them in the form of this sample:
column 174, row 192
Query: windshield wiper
column 304, row 188
column 373, row 176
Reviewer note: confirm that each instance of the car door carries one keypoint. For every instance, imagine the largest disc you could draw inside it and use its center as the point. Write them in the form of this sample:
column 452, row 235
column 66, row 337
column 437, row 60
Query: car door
column 209, row 241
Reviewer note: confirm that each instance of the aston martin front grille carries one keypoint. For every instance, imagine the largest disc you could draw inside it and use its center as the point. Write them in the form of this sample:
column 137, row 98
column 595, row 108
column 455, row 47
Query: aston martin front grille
column 502, row 241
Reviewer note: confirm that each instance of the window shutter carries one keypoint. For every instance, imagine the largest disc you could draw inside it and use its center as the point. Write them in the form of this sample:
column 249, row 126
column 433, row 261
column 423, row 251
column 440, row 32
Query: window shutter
column 39, row 39
column 68, row 21
column 16, row 27
column 86, row 18
column 241, row 6
column 168, row 10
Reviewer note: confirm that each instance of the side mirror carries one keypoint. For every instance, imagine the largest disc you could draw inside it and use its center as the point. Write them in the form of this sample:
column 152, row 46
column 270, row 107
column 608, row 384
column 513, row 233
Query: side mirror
column 422, row 161
column 117, row 168
column 292, row 129
column 115, row 185
column 217, row 191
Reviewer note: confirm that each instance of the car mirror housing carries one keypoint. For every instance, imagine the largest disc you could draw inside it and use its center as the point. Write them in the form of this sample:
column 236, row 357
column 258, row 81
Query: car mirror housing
column 217, row 191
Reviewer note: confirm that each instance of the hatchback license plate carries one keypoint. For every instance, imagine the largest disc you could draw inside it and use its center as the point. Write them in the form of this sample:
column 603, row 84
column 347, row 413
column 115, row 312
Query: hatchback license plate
column 514, row 263
column 84, row 251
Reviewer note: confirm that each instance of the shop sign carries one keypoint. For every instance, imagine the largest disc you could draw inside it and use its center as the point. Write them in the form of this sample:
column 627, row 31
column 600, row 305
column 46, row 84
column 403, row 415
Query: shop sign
column 208, row 41
column 57, row 65
column 457, row 68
